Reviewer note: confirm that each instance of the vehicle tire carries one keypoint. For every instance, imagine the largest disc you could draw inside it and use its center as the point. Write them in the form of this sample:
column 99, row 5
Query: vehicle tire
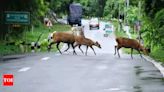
column 98, row 27
column 79, row 24
column 71, row 24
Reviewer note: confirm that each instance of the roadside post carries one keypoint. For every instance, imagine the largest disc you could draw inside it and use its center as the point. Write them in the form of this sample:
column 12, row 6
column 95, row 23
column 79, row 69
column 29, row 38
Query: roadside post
column 127, row 29
column 49, row 25
column 138, row 25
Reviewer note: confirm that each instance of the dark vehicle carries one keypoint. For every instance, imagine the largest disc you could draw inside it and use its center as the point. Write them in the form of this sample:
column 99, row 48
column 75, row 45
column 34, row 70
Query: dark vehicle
column 75, row 14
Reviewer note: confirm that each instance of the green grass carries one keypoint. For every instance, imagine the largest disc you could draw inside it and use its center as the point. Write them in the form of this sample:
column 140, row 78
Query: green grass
column 158, row 55
column 32, row 36
column 8, row 49
column 120, row 33
column 134, row 35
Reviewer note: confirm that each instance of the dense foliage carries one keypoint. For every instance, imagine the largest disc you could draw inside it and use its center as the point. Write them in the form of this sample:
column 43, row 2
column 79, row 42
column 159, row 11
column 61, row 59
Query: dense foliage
column 153, row 26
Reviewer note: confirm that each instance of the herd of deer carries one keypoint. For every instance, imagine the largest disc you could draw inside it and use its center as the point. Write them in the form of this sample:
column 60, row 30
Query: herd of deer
column 75, row 40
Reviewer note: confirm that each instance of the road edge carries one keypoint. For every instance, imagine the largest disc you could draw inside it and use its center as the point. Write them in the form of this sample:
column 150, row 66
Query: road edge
column 15, row 56
column 158, row 65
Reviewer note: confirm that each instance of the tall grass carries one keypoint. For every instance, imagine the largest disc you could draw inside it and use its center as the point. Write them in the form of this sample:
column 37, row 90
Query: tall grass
column 158, row 54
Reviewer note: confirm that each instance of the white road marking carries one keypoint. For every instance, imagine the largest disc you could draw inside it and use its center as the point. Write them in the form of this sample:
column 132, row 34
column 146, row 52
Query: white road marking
column 24, row 69
column 58, row 54
column 114, row 89
column 102, row 67
column 45, row 58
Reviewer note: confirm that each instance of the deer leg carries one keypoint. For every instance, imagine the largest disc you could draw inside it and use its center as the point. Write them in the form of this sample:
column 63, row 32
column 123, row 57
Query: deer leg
column 118, row 51
column 139, row 53
column 81, row 49
column 93, row 50
column 57, row 45
column 75, row 45
column 68, row 47
column 49, row 46
column 86, row 51
column 74, row 52
column 131, row 53
column 115, row 49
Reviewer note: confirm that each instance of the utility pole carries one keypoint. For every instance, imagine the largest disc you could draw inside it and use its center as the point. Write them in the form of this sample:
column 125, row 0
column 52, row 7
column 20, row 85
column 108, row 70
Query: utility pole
column 139, row 21
column 127, row 6
column 127, row 3
column 119, row 20
column 119, row 10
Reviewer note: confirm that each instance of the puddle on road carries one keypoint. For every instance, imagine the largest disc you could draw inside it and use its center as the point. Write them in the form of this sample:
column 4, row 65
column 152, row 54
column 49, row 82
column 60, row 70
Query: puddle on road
column 137, row 67
column 138, row 70
column 148, row 75
column 152, row 78
column 137, row 88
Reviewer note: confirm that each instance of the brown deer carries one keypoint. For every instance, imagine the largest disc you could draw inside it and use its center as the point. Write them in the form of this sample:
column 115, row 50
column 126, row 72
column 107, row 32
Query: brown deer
column 130, row 43
column 58, row 37
column 79, row 40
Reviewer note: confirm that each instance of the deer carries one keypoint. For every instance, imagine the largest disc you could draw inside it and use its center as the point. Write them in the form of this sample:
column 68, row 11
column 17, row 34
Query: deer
column 130, row 43
column 58, row 37
column 79, row 40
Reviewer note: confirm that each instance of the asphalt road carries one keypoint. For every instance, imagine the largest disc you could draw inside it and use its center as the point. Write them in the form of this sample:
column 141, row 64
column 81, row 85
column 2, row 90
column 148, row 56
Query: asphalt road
column 104, row 72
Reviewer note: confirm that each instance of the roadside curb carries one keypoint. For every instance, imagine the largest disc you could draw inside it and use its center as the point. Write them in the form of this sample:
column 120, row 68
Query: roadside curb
column 17, row 56
column 156, row 64
column 11, row 57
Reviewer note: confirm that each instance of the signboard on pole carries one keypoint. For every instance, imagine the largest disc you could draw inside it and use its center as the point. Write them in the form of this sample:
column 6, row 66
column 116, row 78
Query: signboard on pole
column 14, row 17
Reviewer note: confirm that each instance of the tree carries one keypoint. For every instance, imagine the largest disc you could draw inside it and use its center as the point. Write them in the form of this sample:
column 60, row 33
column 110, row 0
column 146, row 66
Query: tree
column 153, row 23
column 114, row 8
column 152, row 7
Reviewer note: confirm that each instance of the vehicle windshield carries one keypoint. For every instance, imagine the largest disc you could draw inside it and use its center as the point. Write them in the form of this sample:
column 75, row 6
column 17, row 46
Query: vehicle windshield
column 75, row 10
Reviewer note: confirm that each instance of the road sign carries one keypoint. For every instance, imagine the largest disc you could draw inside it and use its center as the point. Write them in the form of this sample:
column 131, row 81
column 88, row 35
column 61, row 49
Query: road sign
column 12, row 17
column 49, row 23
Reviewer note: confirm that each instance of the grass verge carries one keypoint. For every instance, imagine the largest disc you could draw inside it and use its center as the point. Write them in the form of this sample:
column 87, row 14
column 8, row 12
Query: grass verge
column 32, row 36
column 158, row 55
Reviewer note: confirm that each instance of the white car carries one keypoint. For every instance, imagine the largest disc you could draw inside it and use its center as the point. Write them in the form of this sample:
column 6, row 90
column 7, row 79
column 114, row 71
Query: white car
column 94, row 23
